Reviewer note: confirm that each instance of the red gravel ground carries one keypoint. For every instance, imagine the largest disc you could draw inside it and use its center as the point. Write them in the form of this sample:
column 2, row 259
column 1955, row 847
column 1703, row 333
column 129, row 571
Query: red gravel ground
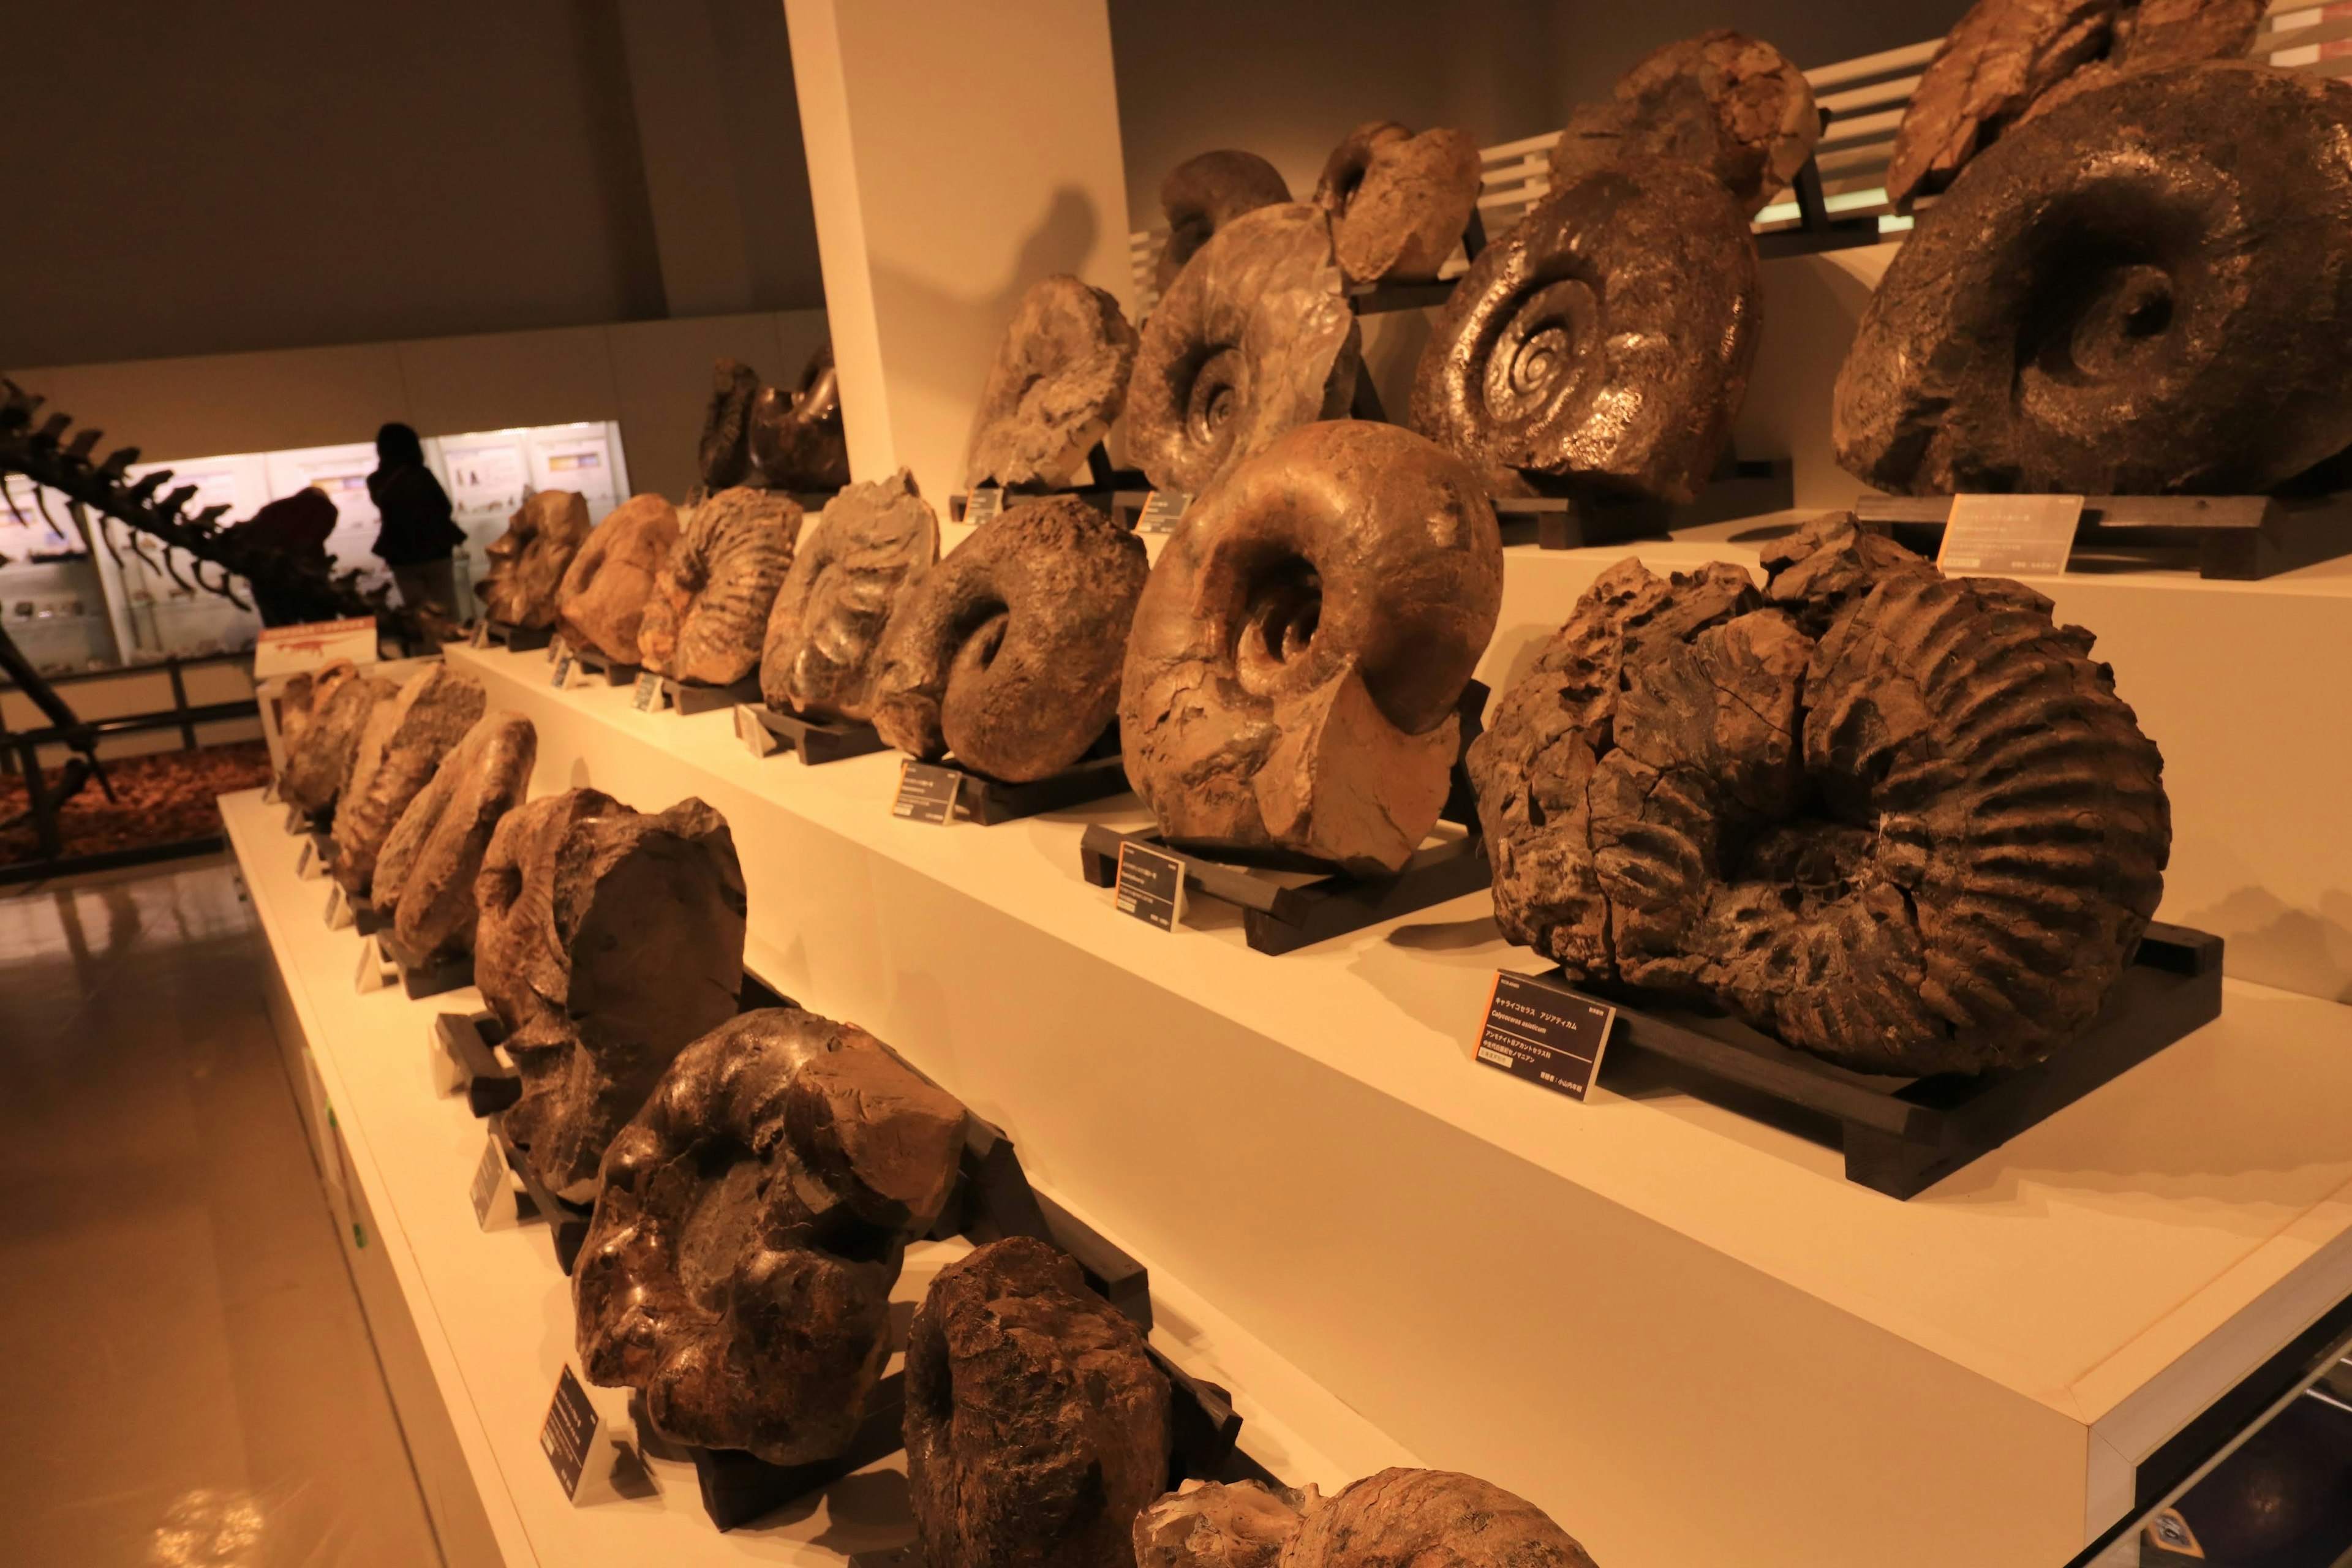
column 160, row 798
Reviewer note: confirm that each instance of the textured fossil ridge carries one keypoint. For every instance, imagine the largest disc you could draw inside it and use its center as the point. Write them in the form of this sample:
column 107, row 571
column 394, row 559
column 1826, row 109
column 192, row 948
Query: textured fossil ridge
column 1037, row 1427
column 706, row 617
column 2147, row 291
column 304, row 696
column 400, row 746
column 1008, row 652
column 529, row 560
column 1429, row 1519
column 1254, row 337
column 749, row 1223
column 1899, row 820
column 1606, row 339
column 798, row 442
column 1204, row 193
column 1297, row 654
column 723, row 457
column 319, row 766
column 424, row 877
column 1399, row 203
column 608, row 941
column 602, row 602
column 1731, row 104
column 2007, row 61
column 1058, row 380
column 870, row 547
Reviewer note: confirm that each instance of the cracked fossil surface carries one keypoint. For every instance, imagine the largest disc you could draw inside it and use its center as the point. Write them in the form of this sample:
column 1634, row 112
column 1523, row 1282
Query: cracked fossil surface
column 1428, row 1519
column 1899, row 820
column 863, row 560
column 797, row 439
column 1731, row 104
column 751, row 1221
column 2147, row 291
column 1058, row 380
column 608, row 941
column 1297, row 656
column 1204, row 193
column 602, row 601
column 706, row 617
column 305, row 695
column 1037, row 1427
column 400, row 746
column 529, row 560
column 424, row 877
column 1253, row 338
column 320, row 764
column 1605, row 340
column 1399, row 203
column 1007, row 653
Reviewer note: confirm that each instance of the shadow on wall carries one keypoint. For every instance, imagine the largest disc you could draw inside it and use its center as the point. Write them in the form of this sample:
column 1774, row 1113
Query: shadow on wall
column 2272, row 942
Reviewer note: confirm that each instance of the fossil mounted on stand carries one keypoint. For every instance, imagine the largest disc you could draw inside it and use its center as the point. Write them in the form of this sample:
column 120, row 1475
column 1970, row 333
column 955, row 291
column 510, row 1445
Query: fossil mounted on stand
column 601, row 604
column 528, row 561
column 1204, row 193
column 320, row 764
column 1399, row 203
column 1722, row 102
column 771, row 438
column 399, row 748
column 424, row 877
column 706, row 617
column 1438, row 1518
column 1058, row 380
column 304, row 696
column 869, row 550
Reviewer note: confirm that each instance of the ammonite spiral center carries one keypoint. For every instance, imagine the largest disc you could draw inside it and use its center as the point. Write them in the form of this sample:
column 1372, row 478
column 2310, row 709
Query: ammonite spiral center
column 1214, row 398
column 1542, row 349
column 1279, row 625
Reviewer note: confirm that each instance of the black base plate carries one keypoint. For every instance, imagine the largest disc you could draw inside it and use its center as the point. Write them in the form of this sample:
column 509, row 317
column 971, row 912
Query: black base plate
column 813, row 740
column 469, row 1041
column 430, row 974
column 2228, row 538
column 1571, row 521
column 690, row 696
column 596, row 663
column 989, row 801
column 567, row 1222
column 518, row 639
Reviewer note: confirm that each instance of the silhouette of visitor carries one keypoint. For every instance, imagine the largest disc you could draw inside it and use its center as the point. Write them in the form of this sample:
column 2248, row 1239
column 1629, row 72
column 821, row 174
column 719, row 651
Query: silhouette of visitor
column 419, row 531
column 295, row 528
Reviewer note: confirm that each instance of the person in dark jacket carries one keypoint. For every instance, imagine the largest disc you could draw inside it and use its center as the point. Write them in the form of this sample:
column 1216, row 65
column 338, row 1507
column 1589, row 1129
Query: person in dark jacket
column 419, row 531
column 295, row 528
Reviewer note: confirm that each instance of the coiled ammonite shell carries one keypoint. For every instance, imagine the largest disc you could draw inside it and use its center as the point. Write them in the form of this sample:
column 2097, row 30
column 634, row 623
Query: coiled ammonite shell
column 608, row 941
column 798, row 442
column 749, row 1223
column 2148, row 290
column 1605, row 339
column 528, row 561
column 1899, row 820
column 424, row 877
column 1731, row 104
column 602, row 602
column 1299, row 652
column 724, row 456
column 870, row 547
column 1438, row 1518
column 708, row 613
column 1204, row 193
column 320, row 764
column 1058, row 381
column 1254, row 337
column 1037, row 1425
column 1008, row 652
column 400, row 746
column 1399, row 203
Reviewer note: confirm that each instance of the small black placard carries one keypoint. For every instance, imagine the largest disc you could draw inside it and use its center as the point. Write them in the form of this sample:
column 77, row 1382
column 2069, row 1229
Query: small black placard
column 1545, row 1034
column 648, row 698
column 983, row 504
column 489, row 1181
column 562, row 654
column 1162, row 510
column 1151, row 885
column 570, row 1428
column 926, row 794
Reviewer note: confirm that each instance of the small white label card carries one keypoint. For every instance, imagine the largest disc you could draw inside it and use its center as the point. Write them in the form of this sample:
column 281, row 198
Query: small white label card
column 648, row 698
column 489, row 1181
column 757, row 738
column 983, row 504
column 1162, row 510
column 1151, row 885
column 290, row 650
column 1544, row 1033
column 561, row 652
column 2001, row 536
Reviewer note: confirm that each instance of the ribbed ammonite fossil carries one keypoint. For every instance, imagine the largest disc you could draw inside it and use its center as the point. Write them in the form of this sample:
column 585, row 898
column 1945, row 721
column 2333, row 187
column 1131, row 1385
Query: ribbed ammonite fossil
column 870, row 548
column 1399, row 203
column 1898, row 820
column 1606, row 339
column 424, row 877
column 602, row 602
column 751, row 1220
column 529, row 560
column 2147, row 291
column 400, row 746
column 1058, row 380
column 706, row 617
column 1204, row 193
column 319, row 763
column 1731, row 104
column 1430, row 1518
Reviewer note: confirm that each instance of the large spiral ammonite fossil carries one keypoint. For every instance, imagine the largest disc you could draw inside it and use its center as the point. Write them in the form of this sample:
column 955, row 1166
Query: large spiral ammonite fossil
column 319, row 765
column 797, row 439
column 708, row 614
column 1899, row 820
column 1399, row 203
column 602, row 602
column 1439, row 1519
column 2147, row 291
column 1253, row 338
column 1730, row 104
column 1008, row 652
column 1606, row 339
column 401, row 746
column 870, row 547
column 424, row 877
column 1299, row 652
column 1204, row 193
column 749, row 1223
column 1058, row 380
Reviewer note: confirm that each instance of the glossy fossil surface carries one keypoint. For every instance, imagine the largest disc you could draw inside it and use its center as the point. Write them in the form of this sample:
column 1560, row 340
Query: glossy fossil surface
column 424, row 877
column 1206, row 192
column 1723, row 101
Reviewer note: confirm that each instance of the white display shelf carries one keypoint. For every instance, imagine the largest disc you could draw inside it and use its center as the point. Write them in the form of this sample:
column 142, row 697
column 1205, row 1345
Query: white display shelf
column 473, row 1325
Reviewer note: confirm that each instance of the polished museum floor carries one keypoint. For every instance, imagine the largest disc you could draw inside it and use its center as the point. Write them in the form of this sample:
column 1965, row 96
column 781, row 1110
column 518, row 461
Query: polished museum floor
column 186, row 1374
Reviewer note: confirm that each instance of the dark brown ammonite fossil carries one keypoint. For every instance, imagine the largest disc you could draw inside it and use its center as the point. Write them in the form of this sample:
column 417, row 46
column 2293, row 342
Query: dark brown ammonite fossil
column 424, row 877
column 1204, row 193
column 706, row 617
column 1431, row 1518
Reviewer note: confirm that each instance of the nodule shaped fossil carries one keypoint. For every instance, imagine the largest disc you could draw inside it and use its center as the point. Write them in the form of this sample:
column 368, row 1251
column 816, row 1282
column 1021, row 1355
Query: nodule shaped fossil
column 1008, row 652
column 1292, row 675
column 870, row 547
column 751, row 1220
column 723, row 457
column 708, row 614
column 1899, row 820
column 1398, row 1516
column 608, row 941
column 798, row 442
column 1725, row 102
column 2136, row 293
column 1399, row 203
column 1037, row 1425
column 424, row 877
column 602, row 602
column 1606, row 339
column 1058, row 380
column 319, row 766
column 303, row 697
column 528, row 561
column 1204, row 193
column 400, row 746
column 1253, row 338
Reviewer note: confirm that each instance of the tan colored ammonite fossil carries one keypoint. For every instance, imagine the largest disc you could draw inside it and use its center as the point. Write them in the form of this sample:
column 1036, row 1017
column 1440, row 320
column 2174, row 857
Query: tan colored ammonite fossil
column 708, row 614
column 1399, row 203
column 1723, row 101
column 1292, row 676
column 1253, row 338
column 424, row 877
column 1058, row 380
column 1605, row 340
column 1430, row 1518
column 1899, row 820
column 1204, row 193
column 870, row 548
column 602, row 602
column 319, row 763
column 529, row 560
column 402, row 743
column 751, row 1221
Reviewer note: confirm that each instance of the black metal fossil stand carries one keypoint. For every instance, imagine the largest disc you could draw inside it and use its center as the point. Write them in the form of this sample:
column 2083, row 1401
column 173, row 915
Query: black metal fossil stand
column 614, row 671
column 355, row 911
column 1569, row 518
column 691, row 697
column 2231, row 538
column 1119, row 493
column 1815, row 231
column 989, row 801
column 1375, row 299
column 424, row 975
column 567, row 1222
column 317, row 854
column 464, row 1048
column 813, row 740
column 515, row 639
